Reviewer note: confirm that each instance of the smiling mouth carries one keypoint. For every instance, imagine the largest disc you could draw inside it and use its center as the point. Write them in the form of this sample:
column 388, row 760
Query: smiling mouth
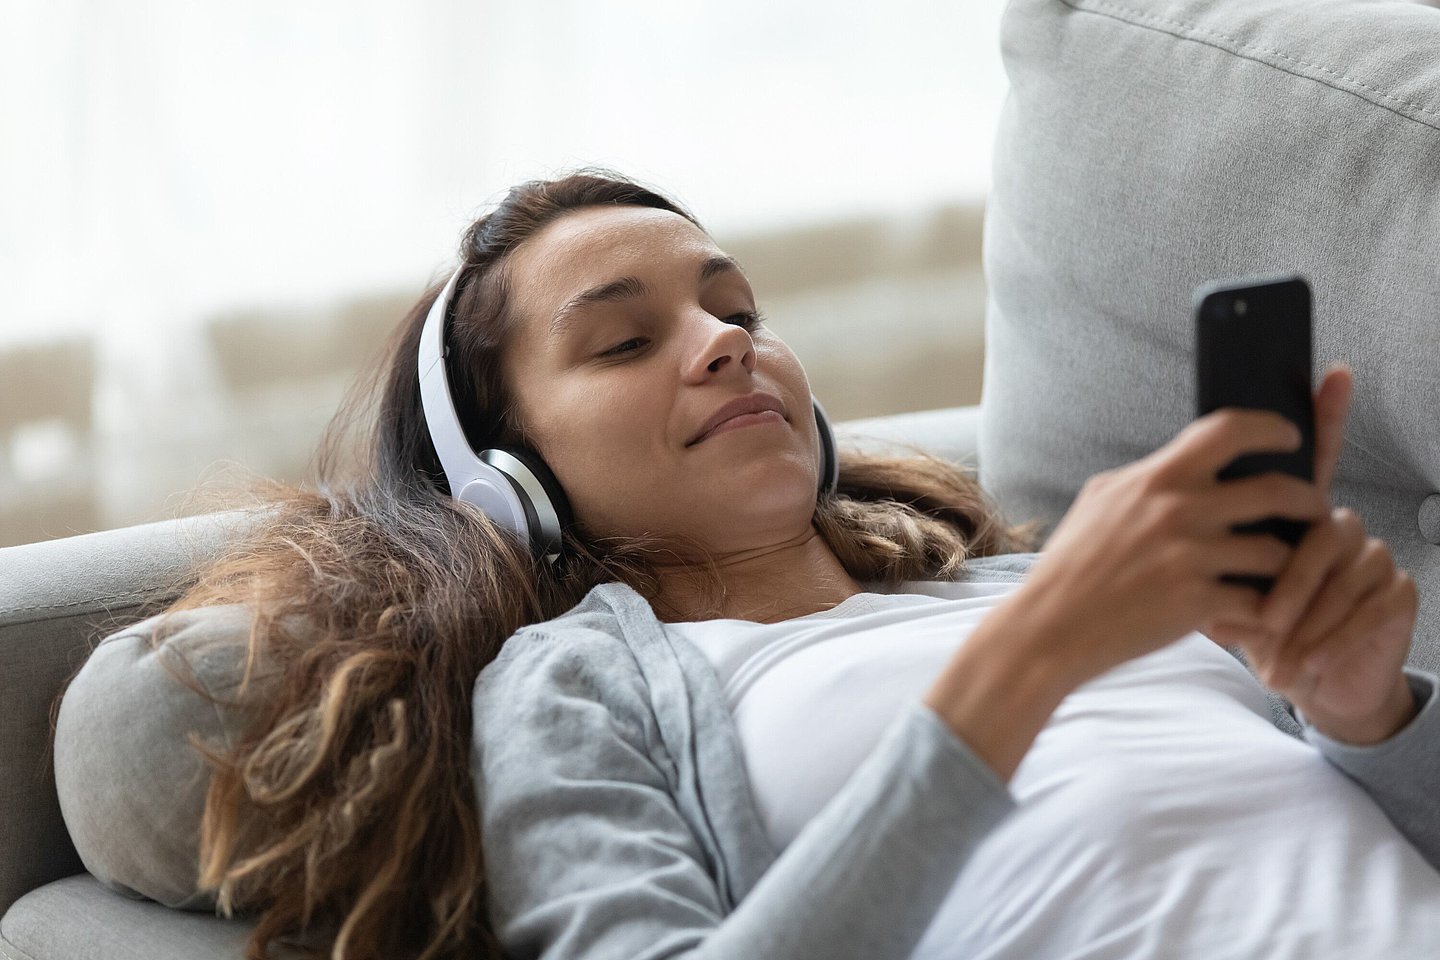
column 743, row 420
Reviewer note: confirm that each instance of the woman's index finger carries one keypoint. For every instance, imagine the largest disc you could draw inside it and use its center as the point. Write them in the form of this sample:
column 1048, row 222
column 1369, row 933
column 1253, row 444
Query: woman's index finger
column 1216, row 439
column 1332, row 405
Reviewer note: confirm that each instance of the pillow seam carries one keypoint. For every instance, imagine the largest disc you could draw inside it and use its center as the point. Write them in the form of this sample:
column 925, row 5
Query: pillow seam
column 1241, row 48
column 209, row 698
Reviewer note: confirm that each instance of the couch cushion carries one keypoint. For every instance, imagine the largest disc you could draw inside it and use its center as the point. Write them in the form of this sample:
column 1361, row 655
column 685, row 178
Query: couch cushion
column 131, row 787
column 78, row 919
column 1148, row 146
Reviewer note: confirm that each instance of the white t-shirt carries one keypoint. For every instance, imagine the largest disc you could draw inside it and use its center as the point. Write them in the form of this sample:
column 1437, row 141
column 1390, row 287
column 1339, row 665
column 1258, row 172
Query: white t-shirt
column 1159, row 812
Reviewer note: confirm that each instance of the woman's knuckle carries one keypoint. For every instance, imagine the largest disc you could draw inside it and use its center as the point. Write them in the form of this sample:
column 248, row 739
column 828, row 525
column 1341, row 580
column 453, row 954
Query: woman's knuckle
column 1214, row 422
column 1230, row 418
column 1097, row 483
column 1170, row 510
column 1349, row 523
column 1153, row 476
column 1175, row 562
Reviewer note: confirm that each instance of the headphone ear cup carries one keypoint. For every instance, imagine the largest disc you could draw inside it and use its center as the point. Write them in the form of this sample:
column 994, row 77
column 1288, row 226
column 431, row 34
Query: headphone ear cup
column 829, row 455
column 547, row 509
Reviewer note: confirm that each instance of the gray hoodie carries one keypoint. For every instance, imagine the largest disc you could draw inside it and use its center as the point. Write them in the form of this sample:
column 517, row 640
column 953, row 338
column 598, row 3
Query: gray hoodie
column 618, row 821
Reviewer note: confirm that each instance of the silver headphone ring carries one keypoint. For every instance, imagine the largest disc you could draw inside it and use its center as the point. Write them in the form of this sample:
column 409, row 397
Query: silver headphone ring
column 545, row 535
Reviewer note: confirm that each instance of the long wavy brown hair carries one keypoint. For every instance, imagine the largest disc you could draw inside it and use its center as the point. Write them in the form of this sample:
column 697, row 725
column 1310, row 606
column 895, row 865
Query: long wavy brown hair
column 345, row 819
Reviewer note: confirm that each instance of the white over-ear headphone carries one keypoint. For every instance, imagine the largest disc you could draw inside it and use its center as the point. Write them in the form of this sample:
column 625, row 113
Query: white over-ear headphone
column 512, row 486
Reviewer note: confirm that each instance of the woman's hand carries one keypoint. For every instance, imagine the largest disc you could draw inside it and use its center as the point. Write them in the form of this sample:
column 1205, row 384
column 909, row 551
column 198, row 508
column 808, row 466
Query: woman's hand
column 1336, row 628
column 1135, row 562
column 1132, row 566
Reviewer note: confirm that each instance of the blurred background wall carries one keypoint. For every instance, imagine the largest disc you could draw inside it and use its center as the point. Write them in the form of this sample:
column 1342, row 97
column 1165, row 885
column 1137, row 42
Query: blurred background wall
column 211, row 215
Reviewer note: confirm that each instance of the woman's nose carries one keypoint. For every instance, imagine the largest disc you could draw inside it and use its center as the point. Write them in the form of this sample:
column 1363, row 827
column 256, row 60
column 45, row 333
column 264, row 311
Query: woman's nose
column 721, row 344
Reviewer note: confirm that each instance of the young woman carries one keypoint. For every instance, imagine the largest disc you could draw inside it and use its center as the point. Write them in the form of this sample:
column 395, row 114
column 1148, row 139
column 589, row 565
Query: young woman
column 742, row 708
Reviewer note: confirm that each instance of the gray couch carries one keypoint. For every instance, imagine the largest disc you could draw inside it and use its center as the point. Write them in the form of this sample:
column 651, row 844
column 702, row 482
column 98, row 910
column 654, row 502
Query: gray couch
column 1146, row 147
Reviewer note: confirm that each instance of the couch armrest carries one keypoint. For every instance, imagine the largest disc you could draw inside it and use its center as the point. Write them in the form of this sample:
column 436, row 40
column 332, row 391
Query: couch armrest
column 57, row 600
column 952, row 433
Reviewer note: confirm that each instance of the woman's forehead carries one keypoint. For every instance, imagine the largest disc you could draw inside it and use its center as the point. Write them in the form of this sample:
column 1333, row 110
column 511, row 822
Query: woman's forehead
column 598, row 244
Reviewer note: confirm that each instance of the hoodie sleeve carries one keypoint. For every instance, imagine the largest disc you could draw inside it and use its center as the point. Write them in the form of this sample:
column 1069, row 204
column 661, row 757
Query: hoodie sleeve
column 588, row 856
column 1402, row 773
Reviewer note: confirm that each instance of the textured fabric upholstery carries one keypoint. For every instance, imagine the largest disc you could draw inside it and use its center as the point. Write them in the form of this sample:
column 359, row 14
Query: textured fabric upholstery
column 1149, row 146
column 131, row 787
column 78, row 919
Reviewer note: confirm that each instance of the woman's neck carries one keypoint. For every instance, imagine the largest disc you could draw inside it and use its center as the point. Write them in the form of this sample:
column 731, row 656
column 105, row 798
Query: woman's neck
column 789, row 579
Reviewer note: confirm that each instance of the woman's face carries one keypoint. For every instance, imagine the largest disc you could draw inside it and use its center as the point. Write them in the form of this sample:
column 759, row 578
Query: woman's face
column 612, row 392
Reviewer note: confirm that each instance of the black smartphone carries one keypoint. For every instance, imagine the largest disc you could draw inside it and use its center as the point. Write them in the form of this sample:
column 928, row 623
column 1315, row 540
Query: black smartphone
column 1253, row 350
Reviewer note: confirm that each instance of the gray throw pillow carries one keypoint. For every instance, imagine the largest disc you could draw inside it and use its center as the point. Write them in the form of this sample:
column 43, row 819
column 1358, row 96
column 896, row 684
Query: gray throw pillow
column 131, row 788
column 1149, row 146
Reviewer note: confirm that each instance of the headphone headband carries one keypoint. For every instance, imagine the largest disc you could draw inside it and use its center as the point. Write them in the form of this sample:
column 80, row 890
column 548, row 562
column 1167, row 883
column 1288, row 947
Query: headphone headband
column 511, row 488
column 440, row 414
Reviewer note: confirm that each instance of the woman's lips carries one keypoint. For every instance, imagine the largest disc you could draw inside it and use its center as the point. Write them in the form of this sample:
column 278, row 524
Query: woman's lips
column 745, row 420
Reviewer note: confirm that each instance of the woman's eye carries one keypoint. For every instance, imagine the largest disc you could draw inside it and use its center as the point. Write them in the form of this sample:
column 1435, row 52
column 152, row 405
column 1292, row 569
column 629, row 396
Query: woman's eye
column 747, row 319
column 620, row 347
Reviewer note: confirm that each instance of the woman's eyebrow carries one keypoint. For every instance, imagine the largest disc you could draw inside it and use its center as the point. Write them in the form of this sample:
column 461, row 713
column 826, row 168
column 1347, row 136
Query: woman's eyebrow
column 628, row 288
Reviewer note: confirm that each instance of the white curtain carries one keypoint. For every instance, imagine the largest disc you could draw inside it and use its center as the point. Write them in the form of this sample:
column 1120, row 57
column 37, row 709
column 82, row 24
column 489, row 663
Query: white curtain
column 159, row 160
column 164, row 162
